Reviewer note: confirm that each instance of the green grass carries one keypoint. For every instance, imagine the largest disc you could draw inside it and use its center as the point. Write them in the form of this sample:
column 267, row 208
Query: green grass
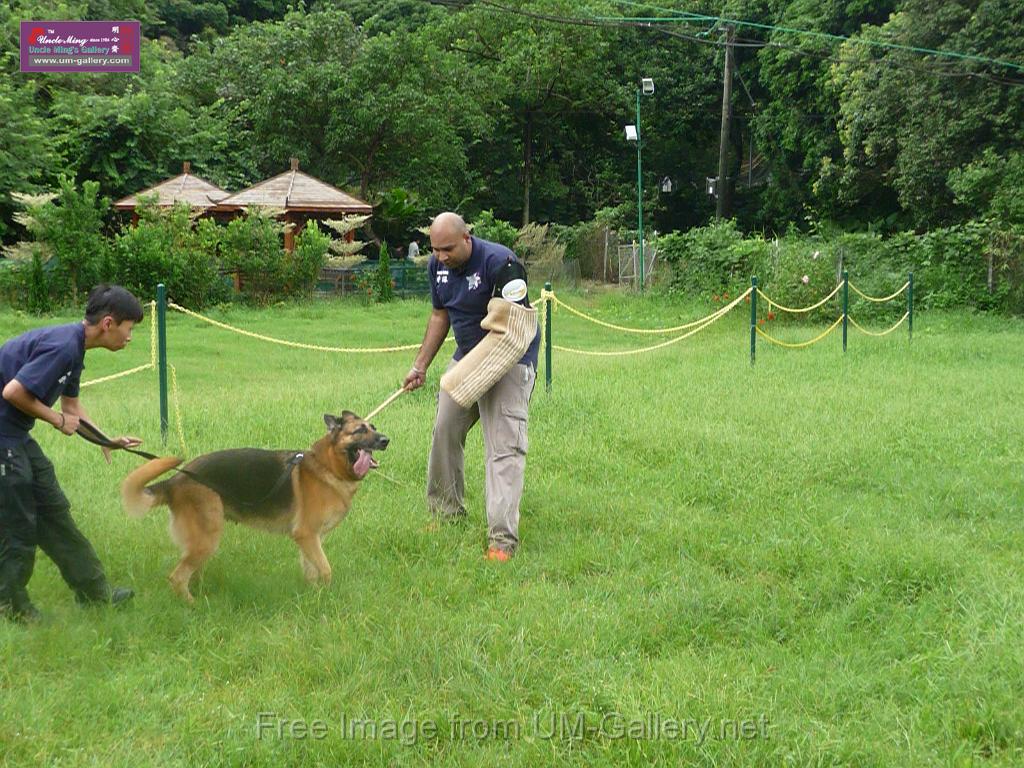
column 826, row 546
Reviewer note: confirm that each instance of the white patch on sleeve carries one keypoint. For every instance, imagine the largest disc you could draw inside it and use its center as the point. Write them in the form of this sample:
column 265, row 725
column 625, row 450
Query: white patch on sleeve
column 514, row 290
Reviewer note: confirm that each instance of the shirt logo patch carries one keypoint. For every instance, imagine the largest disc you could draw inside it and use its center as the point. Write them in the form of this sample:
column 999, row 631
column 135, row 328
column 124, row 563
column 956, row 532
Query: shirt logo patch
column 473, row 281
column 514, row 290
column 442, row 276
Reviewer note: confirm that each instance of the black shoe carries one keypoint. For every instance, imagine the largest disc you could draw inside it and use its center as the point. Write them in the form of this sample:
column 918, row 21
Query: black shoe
column 121, row 595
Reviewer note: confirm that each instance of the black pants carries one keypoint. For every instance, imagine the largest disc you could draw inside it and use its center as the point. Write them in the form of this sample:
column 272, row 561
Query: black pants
column 34, row 512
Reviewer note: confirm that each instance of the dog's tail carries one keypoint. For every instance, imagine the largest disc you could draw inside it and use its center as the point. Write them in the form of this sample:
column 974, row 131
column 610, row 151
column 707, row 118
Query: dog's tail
column 136, row 498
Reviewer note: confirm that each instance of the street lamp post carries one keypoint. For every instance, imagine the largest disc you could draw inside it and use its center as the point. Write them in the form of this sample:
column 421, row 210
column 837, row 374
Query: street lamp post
column 646, row 88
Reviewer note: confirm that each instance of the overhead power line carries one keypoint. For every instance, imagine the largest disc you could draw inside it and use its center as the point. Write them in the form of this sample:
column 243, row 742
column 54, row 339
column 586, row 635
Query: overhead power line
column 686, row 16
column 637, row 23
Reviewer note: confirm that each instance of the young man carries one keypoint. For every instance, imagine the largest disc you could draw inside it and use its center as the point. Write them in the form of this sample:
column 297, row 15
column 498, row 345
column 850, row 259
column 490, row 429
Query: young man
column 463, row 273
column 36, row 368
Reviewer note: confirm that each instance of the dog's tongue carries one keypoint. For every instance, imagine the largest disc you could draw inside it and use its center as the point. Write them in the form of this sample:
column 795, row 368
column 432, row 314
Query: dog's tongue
column 364, row 463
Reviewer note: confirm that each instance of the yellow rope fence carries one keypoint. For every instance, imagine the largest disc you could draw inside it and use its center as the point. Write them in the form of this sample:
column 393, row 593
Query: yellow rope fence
column 707, row 321
column 136, row 369
column 285, row 342
column 886, row 332
column 890, row 297
column 177, row 408
column 773, row 303
column 799, row 345
column 675, row 329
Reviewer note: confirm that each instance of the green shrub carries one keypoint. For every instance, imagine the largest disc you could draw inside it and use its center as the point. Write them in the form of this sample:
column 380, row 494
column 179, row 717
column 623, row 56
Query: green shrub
column 497, row 231
column 165, row 247
column 381, row 286
column 307, row 259
column 711, row 259
column 68, row 228
column 950, row 266
column 251, row 245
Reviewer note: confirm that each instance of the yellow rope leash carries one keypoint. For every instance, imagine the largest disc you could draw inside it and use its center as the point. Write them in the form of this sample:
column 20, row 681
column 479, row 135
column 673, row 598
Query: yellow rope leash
column 801, row 344
column 384, row 405
column 710, row 320
column 879, row 333
column 283, row 342
column 773, row 303
column 886, row 298
column 626, row 329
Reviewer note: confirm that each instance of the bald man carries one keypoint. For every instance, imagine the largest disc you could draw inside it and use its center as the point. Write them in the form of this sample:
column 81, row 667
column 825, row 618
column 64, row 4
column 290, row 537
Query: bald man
column 463, row 274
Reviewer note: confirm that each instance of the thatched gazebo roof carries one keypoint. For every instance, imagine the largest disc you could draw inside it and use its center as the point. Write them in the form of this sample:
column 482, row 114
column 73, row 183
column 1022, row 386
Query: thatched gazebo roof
column 186, row 188
column 296, row 191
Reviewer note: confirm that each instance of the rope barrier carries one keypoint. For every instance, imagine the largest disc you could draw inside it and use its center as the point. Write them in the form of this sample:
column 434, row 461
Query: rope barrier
column 625, row 329
column 283, row 342
column 710, row 320
column 113, row 376
column 773, row 303
column 152, row 333
column 879, row 333
column 177, row 408
column 790, row 345
column 879, row 300
column 136, row 369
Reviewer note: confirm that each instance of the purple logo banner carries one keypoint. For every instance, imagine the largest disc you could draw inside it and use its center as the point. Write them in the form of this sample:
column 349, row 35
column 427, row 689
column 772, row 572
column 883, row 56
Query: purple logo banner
column 80, row 46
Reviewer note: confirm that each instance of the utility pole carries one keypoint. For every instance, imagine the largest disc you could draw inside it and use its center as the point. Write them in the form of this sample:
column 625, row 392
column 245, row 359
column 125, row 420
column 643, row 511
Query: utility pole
column 723, row 207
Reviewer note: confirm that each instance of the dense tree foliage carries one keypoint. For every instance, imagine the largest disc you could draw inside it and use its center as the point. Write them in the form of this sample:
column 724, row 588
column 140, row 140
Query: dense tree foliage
column 518, row 106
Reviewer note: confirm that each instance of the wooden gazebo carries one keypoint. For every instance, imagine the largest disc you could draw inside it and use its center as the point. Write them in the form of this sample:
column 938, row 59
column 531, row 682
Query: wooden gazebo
column 184, row 188
column 301, row 196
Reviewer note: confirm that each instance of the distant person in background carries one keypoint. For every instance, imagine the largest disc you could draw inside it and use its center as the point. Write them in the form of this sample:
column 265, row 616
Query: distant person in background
column 36, row 368
column 414, row 251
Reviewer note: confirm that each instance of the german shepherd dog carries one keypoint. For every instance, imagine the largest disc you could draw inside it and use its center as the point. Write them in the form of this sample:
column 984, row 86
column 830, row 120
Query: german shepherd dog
column 304, row 495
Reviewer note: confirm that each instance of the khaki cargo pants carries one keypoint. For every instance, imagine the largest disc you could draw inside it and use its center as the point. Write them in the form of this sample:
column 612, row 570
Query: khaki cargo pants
column 503, row 414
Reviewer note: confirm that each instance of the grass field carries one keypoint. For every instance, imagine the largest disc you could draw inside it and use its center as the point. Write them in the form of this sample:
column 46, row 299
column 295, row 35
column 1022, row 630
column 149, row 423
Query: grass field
column 814, row 561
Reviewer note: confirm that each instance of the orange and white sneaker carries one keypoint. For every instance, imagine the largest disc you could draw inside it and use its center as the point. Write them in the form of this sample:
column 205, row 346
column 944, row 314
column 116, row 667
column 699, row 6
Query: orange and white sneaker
column 498, row 555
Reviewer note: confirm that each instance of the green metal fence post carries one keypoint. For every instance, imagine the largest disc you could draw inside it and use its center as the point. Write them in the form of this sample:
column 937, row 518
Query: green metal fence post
column 547, row 339
column 753, row 318
column 161, row 345
column 910, row 307
column 846, row 304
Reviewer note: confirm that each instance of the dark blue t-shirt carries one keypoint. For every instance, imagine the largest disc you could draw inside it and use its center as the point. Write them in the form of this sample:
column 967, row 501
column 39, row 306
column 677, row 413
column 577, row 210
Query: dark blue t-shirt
column 465, row 292
column 48, row 362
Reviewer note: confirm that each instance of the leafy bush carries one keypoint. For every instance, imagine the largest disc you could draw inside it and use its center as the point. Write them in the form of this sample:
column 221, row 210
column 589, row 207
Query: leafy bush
column 251, row 246
column 68, row 226
column 710, row 259
column 497, row 231
column 950, row 265
column 165, row 247
column 27, row 282
column 381, row 286
column 309, row 257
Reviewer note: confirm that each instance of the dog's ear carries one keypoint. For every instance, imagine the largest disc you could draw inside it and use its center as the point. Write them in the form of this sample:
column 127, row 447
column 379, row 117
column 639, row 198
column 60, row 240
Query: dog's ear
column 331, row 422
column 346, row 415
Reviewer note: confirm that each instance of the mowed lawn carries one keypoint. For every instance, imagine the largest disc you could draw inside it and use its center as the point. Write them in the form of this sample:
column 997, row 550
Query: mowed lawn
column 813, row 561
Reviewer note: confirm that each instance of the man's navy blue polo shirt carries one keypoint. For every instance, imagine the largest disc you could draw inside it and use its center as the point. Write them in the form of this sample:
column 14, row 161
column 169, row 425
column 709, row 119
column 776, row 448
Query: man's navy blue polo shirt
column 464, row 292
column 48, row 362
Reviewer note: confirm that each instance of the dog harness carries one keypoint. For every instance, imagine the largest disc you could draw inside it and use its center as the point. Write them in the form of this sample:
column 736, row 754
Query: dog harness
column 209, row 478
